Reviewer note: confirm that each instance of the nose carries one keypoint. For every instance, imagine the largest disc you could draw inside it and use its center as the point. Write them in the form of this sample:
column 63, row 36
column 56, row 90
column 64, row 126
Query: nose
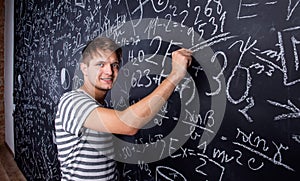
column 108, row 70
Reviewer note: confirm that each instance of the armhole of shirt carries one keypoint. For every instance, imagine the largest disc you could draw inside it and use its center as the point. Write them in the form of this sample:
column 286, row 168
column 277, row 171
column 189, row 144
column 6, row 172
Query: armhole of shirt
column 81, row 128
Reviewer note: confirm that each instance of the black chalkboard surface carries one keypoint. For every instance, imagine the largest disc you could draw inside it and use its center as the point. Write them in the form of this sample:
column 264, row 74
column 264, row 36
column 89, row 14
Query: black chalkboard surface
column 234, row 117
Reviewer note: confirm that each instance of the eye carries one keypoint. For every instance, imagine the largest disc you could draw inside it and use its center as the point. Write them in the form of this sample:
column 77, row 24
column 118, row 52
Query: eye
column 100, row 64
column 115, row 65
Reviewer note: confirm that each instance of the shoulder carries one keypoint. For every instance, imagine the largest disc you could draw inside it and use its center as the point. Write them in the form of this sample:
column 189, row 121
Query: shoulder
column 74, row 94
column 76, row 97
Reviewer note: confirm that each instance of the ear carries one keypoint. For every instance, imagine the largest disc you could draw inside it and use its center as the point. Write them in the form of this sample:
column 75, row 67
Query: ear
column 83, row 68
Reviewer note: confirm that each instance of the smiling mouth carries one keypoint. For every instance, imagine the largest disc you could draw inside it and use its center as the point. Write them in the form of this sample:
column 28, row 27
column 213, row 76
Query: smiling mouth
column 107, row 80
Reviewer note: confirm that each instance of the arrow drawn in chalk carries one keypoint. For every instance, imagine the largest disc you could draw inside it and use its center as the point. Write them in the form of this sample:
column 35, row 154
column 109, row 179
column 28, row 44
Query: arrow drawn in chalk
column 294, row 114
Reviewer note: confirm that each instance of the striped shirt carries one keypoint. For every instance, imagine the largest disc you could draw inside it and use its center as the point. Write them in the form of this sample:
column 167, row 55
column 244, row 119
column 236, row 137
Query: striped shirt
column 84, row 154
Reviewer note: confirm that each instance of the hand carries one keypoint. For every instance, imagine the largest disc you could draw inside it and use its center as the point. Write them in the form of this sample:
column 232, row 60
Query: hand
column 181, row 60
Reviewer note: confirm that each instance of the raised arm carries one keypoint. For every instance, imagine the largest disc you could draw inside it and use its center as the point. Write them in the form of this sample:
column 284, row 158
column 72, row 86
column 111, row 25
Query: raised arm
column 135, row 116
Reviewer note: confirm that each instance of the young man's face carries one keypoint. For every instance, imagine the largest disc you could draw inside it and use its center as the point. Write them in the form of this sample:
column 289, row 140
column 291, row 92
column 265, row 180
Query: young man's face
column 102, row 70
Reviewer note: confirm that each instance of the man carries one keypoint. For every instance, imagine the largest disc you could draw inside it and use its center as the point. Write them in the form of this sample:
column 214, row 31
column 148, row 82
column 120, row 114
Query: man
column 83, row 126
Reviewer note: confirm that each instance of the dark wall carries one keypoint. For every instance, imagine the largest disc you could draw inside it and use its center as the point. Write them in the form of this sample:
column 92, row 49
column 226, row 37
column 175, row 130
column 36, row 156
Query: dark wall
column 234, row 117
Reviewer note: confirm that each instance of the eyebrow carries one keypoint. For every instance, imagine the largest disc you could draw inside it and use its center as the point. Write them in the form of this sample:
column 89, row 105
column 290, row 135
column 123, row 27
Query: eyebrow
column 99, row 61
column 115, row 61
column 105, row 62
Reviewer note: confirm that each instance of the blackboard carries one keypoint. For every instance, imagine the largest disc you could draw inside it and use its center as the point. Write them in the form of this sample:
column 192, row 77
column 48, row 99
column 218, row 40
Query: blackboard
column 234, row 117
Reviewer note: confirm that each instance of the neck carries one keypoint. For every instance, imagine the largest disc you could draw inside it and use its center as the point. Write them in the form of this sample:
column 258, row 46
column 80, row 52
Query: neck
column 97, row 94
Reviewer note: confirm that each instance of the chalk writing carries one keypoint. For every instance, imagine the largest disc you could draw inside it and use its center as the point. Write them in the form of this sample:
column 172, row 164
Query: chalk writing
column 295, row 111
column 245, row 51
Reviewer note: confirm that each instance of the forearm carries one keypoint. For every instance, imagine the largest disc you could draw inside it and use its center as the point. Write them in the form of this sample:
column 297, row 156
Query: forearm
column 143, row 111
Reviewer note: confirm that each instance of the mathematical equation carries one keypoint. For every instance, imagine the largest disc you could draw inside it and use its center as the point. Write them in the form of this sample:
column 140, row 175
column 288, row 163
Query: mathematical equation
column 237, row 108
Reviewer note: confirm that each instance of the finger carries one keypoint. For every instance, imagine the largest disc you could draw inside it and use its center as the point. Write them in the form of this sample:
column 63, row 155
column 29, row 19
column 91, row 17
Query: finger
column 186, row 51
column 188, row 55
column 189, row 61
